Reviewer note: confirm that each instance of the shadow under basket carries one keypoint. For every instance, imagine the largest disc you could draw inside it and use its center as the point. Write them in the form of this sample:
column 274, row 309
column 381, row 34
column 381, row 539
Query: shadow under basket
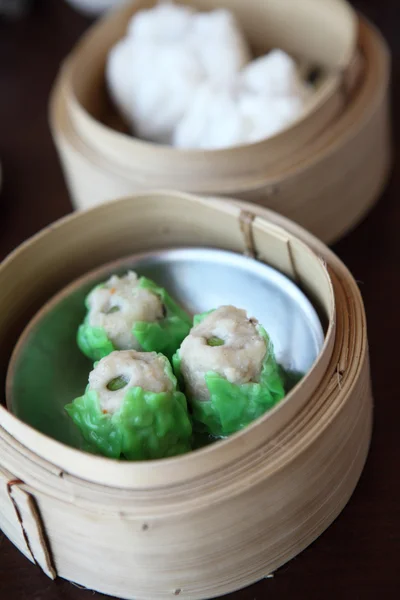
column 221, row 517
column 323, row 172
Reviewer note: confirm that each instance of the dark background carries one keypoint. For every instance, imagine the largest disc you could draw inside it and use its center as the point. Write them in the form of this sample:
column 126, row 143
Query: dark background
column 357, row 558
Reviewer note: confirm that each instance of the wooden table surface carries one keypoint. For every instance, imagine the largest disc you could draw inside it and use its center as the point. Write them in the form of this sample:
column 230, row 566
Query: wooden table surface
column 357, row 557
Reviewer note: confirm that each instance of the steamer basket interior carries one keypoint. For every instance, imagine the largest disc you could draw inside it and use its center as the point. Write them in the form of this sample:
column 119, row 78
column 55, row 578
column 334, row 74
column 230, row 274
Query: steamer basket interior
column 322, row 41
column 86, row 241
column 47, row 370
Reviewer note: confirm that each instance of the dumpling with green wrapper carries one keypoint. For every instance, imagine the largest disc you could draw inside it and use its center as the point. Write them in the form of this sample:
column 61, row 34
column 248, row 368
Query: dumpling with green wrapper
column 132, row 408
column 131, row 313
column 228, row 371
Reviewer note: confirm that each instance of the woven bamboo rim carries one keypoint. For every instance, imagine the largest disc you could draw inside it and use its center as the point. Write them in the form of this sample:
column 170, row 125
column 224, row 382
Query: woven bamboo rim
column 216, row 530
column 326, row 188
column 284, row 253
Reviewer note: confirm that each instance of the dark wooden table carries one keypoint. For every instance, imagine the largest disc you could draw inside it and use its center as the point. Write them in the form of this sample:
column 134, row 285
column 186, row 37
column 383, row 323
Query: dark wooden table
column 358, row 557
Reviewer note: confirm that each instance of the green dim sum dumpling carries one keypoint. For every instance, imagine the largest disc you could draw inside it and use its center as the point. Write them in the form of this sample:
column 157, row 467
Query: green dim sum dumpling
column 228, row 370
column 131, row 313
column 132, row 409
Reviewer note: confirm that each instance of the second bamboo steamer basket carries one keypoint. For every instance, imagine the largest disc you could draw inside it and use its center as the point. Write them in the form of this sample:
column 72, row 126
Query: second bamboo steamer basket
column 322, row 34
column 326, row 183
column 220, row 518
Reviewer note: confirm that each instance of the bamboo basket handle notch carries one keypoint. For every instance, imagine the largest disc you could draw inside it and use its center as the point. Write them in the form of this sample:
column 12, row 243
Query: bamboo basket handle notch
column 31, row 524
column 246, row 220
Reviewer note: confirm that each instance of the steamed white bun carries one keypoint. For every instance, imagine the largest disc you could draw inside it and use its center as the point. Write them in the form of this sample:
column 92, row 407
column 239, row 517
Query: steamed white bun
column 152, row 88
column 222, row 116
column 185, row 78
column 275, row 74
column 155, row 72
column 266, row 96
column 219, row 44
column 163, row 23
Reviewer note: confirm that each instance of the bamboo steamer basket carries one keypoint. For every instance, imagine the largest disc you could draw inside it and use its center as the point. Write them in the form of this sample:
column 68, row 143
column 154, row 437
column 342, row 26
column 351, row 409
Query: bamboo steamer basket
column 326, row 186
column 218, row 519
column 319, row 33
column 301, row 172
